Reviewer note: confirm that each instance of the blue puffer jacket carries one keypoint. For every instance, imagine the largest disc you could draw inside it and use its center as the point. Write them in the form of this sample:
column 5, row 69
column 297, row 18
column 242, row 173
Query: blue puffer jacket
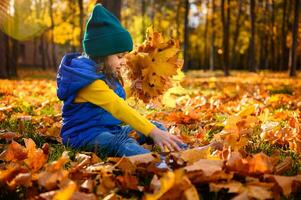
column 82, row 121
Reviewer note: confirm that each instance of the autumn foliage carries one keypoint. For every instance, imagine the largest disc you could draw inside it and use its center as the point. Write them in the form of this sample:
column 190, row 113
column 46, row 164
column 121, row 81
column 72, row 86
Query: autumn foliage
column 243, row 134
column 154, row 63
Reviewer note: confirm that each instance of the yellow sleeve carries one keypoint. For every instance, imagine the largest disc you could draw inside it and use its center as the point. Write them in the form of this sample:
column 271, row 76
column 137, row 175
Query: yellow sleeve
column 100, row 94
column 128, row 91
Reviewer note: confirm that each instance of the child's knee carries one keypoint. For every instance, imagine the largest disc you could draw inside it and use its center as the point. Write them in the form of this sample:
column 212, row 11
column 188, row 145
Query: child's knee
column 131, row 148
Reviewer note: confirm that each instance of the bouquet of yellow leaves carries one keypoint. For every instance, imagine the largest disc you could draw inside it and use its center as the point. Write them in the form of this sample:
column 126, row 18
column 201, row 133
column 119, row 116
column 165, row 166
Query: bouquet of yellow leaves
column 153, row 63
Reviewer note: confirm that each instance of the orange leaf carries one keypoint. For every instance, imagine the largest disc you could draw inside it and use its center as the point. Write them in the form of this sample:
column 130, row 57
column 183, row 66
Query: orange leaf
column 66, row 192
column 260, row 163
column 14, row 152
column 36, row 157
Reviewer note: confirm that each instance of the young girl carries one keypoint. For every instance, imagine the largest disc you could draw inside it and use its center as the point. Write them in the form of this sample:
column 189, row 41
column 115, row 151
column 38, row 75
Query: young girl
column 93, row 96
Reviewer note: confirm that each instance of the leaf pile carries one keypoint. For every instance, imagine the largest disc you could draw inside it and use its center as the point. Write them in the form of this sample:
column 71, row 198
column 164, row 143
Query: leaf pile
column 154, row 63
column 243, row 132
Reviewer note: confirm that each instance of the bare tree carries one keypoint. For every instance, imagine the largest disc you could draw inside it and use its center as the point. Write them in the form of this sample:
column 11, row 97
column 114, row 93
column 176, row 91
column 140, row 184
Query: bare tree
column 81, row 18
column 205, row 60
column 284, row 50
column 251, row 57
column 236, row 34
column 273, row 61
column 9, row 47
column 293, row 51
column 3, row 40
column 143, row 9
column 212, row 48
column 186, row 34
column 112, row 5
column 226, row 29
column 3, row 57
column 54, row 64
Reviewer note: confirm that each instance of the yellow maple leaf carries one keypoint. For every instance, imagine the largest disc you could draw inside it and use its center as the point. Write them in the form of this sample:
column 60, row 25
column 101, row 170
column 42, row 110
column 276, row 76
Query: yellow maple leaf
column 154, row 63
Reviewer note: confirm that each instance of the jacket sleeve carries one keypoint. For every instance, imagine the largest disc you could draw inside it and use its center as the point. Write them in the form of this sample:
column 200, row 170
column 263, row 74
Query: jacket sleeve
column 100, row 94
column 128, row 91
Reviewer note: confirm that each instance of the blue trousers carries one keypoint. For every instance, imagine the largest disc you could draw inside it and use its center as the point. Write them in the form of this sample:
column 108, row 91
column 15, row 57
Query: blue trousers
column 119, row 143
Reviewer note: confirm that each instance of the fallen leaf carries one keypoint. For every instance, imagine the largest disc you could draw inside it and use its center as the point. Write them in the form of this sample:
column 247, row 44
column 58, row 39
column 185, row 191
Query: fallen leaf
column 22, row 179
column 66, row 192
column 36, row 157
column 260, row 163
column 189, row 156
column 284, row 182
column 14, row 152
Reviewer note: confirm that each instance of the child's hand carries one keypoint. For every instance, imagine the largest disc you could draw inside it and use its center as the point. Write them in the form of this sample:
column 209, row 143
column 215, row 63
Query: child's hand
column 164, row 138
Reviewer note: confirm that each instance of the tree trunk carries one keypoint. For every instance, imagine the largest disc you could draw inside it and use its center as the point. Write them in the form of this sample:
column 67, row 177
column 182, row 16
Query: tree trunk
column 273, row 62
column 143, row 8
column 186, row 34
column 81, row 20
column 262, row 37
column 153, row 11
column 226, row 24
column 3, row 56
column 3, row 44
column 178, row 20
column 54, row 64
column 42, row 51
column 236, row 35
column 284, row 50
column 112, row 5
column 251, row 58
column 293, row 51
column 11, row 49
column 212, row 50
column 205, row 63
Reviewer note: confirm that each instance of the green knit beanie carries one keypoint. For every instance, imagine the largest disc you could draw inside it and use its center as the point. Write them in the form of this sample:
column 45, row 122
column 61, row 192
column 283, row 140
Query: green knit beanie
column 105, row 35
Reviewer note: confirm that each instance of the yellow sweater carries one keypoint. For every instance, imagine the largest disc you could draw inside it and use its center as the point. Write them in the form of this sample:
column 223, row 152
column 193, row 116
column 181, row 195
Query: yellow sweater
column 100, row 94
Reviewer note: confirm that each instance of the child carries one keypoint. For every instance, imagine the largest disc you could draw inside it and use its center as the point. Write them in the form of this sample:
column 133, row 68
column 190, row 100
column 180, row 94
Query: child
column 94, row 105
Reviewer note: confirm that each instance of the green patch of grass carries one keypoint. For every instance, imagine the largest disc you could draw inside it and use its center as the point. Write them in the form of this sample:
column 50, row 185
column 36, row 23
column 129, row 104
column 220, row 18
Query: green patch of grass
column 219, row 117
column 37, row 138
column 284, row 90
column 282, row 107
column 48, row 110
column 296, row 165
column 9, row 124
column 20, row 126
column 257, row 145
column 210, row 134
column 55, row 151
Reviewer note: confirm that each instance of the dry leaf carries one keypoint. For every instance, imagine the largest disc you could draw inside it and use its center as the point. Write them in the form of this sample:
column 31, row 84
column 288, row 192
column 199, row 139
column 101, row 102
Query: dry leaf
column 284, row 182
column 260, row 163
column 66, row 192
column 36, row 157
column 14, row 152
column 154, row 63
column 190, row 156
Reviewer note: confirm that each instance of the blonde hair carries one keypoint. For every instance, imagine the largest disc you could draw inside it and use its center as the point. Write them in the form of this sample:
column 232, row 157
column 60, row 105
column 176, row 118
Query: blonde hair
column 110, row 75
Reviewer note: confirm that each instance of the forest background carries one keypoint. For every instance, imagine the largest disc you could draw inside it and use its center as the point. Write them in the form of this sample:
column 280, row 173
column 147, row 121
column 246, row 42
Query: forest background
column 214, row 34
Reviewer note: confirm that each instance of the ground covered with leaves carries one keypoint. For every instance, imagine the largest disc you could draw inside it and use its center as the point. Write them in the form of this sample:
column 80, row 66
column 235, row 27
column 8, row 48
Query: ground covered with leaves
column 243, row 132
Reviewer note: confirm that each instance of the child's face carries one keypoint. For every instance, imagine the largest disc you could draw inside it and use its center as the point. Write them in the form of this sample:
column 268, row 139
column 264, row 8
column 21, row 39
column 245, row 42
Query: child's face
column 116, row 61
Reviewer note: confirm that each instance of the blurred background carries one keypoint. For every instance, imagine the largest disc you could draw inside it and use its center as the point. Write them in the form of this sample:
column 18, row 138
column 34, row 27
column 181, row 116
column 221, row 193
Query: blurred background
column 225, row 35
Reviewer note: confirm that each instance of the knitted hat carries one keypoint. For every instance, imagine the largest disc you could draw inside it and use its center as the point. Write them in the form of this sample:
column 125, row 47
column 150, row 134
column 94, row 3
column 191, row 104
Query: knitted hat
column 105, row 35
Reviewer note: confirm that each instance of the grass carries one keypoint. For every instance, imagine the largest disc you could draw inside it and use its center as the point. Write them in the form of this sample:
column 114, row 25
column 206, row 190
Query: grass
column 284, row 90
column 29, row 129
column 257, row 145
column 210, row 134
